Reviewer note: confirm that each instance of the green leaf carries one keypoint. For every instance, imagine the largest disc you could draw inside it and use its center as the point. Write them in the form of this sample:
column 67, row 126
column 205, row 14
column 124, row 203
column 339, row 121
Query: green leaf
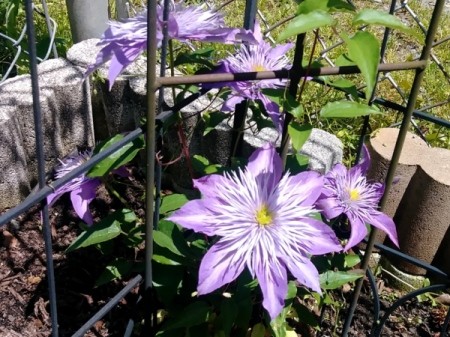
column 286, row 101
column 201, row 56
column 306, row 22
column 297, row 163
column 175, row 233
column 351, row 260
column 336, row 279
column 305, row 315
column 117, row 269
column 364, row 50
column 375, row 17
column 299, row 134
column 166, row 281
column 194, row 314
column 212, row 119
column 347, row 86
column 119, row 158
column 203, row 166
column 105, row 230
column 258, row 330
column 347, row 109
column 165, row 241
column 228, row 314
column 172, row 202
column 308, row 6
column 343, row 61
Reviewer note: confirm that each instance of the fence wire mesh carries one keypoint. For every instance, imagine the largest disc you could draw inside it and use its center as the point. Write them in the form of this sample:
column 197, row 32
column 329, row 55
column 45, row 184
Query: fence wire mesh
column 328, row 45
column 13, row 40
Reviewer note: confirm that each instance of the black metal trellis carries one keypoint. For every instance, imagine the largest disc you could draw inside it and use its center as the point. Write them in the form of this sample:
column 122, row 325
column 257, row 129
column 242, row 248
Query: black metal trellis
column 151, row 130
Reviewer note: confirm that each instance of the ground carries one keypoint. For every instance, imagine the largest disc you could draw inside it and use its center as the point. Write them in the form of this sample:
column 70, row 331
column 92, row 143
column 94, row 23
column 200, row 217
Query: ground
column 24, row 306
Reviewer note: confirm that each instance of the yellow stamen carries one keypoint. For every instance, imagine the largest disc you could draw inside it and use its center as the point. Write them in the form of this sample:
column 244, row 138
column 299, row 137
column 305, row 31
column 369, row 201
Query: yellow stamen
column 258, row 67
column 264, row 216
column 354, row 195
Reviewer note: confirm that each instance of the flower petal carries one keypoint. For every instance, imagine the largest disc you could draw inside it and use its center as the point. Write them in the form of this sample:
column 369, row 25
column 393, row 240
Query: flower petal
column 266, row 161
column 310, row 184
column 207, row 184
column 364, row 162
column 82, row 197
column 272, row 279
column 358, row 231
column 331, row 207
column 222, row 264
column 196, row 216
column 304, row 271
column 231, row 102
column 273, row 110
column 324, row 239
column 386, row 224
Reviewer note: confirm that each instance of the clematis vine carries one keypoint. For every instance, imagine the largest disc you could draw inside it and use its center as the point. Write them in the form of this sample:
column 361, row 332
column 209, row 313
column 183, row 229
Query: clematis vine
column 124, row 41
column 82, row 188
column 259, row 57
column 264, row 221
column 348, row 192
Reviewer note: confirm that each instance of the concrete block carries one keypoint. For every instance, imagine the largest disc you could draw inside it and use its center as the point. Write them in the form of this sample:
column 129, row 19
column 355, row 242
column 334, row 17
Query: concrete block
column 66, row 111
column 381, row 147
column 423, row 215
column 14, row 184
column 121, row 108
column 323, row 149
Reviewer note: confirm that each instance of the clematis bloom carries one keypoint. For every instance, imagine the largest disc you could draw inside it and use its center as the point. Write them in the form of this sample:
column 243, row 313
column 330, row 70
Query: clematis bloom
column 82, row 188
column 251, row 58
column 348, row 192
column 124, row 41
column 264, row 223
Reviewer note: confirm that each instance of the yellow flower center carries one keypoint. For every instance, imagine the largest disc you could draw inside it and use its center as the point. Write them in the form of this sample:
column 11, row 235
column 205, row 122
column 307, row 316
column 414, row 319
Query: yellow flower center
column 264, row 216
column 258, row 67
column 354, row 195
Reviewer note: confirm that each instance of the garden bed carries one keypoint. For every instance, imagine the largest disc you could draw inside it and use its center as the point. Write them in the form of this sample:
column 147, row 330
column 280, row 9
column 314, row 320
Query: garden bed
column 24, row 301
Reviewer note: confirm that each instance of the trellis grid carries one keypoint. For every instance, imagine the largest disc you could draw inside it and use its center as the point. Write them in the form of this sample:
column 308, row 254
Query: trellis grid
column 154, row 113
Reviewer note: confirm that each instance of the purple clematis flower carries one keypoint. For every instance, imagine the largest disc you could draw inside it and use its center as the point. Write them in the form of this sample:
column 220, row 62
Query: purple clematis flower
column 263, row 219
column 82, row 188
column 200, row 24
column 124, row 41
column 348, row 192
column 252, row 58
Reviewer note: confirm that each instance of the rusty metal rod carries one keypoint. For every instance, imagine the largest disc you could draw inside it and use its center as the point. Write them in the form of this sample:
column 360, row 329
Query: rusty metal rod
column 281, row 74
column 150, row 141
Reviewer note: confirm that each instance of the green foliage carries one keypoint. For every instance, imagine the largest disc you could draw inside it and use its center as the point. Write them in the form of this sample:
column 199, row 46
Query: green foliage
column 335, row 279
column 347, row 109
column 364, row 50
column 299, row 134
column 119, row 158
column 107, row 229
column 306, row 22
column 374, row 17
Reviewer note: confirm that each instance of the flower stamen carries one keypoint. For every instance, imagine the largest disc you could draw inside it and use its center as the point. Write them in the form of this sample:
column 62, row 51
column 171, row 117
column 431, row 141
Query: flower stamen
column 264, row 216
column 354, row 194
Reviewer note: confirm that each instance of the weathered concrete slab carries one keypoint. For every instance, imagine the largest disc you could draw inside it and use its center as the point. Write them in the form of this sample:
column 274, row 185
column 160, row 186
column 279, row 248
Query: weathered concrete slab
column 14, row 184
column 66, row 118
column 423, row 215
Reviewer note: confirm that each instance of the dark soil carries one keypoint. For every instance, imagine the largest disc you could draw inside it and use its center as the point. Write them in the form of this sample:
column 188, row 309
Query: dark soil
column 24, row 304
